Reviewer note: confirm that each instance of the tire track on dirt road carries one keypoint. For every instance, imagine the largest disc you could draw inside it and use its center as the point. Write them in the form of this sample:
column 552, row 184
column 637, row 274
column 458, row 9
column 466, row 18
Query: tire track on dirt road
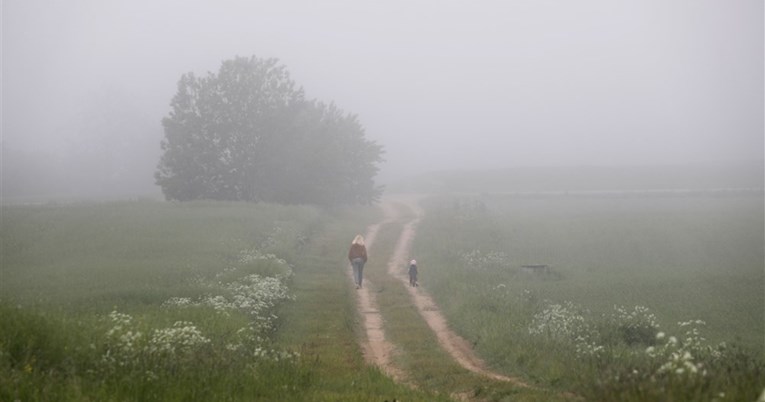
column 455, row 345
column 378, row 351
column 376, row 348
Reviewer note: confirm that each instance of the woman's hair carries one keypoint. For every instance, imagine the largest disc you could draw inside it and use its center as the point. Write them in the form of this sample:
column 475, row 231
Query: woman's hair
column 359, row 239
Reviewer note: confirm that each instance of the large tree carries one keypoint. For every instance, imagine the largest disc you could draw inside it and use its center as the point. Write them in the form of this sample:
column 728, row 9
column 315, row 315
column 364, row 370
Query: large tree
column 247, row 133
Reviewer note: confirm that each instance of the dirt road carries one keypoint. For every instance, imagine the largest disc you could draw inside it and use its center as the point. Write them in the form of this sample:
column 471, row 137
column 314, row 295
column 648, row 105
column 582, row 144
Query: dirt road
column 377, row 349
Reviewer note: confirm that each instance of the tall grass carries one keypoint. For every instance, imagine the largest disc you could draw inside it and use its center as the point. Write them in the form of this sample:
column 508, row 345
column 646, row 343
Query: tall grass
column 324, row 325
column 417, row 350
column 161, row 302
column 624, row 269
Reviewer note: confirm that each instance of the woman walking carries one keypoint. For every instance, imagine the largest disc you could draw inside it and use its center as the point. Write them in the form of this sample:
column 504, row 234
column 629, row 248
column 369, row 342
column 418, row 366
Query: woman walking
column 413, row 273
column 358, row 257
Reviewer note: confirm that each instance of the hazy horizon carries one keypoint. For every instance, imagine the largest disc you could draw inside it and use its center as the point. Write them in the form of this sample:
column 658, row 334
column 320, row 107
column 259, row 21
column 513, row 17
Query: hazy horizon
column 441, row 85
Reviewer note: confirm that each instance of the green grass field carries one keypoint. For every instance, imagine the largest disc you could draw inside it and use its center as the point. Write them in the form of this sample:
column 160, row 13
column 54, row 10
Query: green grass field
column 418, row 352
column 677, row 258
column 199, row 301
column 573, row 179
column 227, row 301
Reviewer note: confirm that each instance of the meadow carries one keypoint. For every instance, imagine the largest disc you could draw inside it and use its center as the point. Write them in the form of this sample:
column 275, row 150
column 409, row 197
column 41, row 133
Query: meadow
column 649, row 297
column 654, row 296
column 197, row 301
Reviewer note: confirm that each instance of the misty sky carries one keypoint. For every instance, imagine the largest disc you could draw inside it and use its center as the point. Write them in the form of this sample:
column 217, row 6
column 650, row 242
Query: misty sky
column 441, row 84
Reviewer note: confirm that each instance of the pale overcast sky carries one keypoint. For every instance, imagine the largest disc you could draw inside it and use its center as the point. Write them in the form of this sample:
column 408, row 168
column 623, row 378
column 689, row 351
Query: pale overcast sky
column 441, row 84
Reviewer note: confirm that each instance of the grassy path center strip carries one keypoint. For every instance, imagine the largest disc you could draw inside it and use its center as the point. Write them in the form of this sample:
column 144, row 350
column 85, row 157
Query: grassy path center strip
column 454, row 344
column 377, row 350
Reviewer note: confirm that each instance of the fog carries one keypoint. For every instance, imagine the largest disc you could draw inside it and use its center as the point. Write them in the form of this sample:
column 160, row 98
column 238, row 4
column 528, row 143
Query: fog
column 440, row 84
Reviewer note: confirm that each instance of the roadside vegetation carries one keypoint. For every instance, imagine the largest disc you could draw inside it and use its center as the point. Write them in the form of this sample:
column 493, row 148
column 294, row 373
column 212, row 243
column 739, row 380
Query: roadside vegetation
column 418, row 353
column 646, row 298
column 199, row 301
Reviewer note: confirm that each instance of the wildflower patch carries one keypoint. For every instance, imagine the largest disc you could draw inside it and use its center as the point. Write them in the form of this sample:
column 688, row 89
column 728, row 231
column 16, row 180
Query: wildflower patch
column 182, row 338
column 480, row 260
column 687, row 354
column 235, row 288
column 635, row 326
column 566, row 323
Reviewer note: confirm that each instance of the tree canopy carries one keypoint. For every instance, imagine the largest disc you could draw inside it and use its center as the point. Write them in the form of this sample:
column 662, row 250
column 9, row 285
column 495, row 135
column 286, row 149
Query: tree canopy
column 248, row 134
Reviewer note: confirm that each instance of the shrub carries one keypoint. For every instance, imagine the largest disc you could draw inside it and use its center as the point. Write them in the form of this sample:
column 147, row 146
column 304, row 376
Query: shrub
column 682, row 368
column 566, row 323
column 636, row 326
column 480, row 260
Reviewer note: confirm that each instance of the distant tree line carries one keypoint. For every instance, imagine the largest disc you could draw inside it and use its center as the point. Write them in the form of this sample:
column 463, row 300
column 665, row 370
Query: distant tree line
column 248, row 134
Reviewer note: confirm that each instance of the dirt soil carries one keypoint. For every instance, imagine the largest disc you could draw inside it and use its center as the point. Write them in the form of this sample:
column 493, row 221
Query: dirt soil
column 376, row 348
